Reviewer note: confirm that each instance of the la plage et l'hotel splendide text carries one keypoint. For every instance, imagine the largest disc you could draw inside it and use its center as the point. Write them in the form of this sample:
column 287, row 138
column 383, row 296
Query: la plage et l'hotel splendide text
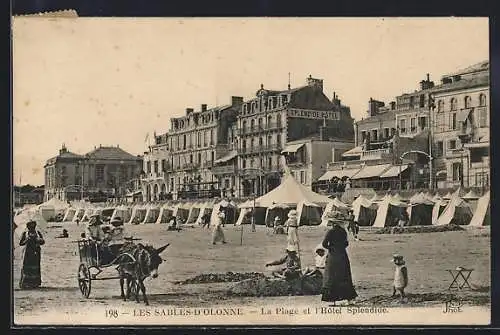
column 263, row 311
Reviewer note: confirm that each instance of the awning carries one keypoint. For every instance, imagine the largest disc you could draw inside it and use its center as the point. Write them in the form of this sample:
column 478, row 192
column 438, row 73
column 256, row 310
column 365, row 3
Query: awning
column 339, row 174
column 357, row 151
column 463, row 114
column 477, row 145
column 394, row 171
column 291, row 148
column 371, row 171
column 226, row 158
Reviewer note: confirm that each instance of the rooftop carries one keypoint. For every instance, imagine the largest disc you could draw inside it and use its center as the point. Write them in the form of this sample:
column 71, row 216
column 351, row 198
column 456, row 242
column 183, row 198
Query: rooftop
column 478, row 67
column 115, row 153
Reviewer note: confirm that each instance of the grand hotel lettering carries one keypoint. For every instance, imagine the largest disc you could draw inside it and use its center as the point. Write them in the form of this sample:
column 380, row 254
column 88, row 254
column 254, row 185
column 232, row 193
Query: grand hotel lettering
column 312, row 114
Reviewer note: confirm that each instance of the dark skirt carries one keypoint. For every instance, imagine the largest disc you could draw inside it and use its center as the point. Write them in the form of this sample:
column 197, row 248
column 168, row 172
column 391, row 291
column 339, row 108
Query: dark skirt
column 30, row 273
column 337, row 281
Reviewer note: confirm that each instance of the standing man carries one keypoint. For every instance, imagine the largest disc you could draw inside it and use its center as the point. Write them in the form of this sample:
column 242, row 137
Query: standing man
column 218, row 233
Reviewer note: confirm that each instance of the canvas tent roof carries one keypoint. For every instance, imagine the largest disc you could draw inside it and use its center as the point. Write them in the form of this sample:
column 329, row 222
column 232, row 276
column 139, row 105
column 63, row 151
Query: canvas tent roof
column 481, row 215
column 56, row 203
column 470, row 196
column 292, row 148
column 357, row 151
column 291, row 192
column 449, row 212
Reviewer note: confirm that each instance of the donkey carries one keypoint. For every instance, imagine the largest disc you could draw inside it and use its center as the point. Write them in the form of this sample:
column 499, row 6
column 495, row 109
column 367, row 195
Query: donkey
column 147, row 261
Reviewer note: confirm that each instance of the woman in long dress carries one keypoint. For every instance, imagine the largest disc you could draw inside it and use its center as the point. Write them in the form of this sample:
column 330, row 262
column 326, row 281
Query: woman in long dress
column 31, row 239
column 292, row 225
column 337, row 280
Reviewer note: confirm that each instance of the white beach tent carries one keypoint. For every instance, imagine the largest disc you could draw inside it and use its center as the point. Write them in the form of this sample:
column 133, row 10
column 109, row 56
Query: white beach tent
column 24, row 216
column 472, row 199
column 194, row 211
column 138, row 214
column 388, row 211
column 364, row 211
column 70, row 213
column 53, row 208
column 165, row 214
column 439, row 206
column 481, row 215
column 205, row 209
column 333, row 205
column 420, row 210
column 457, row 211
column 309, row 214
column 152, row 213
column 123, row 212
column 290, row 192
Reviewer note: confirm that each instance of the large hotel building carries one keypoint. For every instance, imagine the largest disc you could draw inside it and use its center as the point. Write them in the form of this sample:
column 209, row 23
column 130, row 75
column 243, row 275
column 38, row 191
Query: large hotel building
column 234, row 150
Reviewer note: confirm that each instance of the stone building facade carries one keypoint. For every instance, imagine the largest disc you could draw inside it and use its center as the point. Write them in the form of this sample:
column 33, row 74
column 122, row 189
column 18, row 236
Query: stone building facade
column 274, row 118
column 462, row 128
column 104, row 171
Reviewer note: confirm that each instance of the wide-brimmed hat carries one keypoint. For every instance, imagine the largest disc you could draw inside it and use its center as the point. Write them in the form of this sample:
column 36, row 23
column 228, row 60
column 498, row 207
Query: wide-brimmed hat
column 291, row 249
column 31, row 223
column 397, row 257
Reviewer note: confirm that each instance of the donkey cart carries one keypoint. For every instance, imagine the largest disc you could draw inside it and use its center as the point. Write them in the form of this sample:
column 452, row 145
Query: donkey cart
column 91, row 265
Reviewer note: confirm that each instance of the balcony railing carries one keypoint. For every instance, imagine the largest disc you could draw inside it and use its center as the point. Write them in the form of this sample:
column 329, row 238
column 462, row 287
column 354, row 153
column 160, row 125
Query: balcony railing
column 228, row 169
column 260, row 148
column 248, row 130
column 375, row 154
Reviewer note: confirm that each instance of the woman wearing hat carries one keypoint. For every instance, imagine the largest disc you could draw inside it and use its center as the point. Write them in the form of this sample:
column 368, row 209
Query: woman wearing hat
column 337, row 280
column 31, row 239
column 218, row 233
column 292, row 226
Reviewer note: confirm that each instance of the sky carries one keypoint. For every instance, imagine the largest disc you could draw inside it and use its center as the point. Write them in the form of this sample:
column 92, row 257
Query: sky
column 87, row 82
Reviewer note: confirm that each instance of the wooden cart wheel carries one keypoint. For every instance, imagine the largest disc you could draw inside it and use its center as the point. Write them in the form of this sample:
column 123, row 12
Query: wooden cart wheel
column 84, row 280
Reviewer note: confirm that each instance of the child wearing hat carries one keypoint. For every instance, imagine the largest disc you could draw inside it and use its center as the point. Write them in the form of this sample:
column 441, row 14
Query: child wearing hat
column 400, row 276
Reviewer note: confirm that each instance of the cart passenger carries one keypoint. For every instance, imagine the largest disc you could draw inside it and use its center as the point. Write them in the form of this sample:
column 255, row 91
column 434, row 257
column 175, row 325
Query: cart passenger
column 94, row 230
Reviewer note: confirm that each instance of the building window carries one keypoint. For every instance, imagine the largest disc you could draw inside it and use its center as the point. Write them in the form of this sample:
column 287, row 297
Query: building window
column 393, row 131
column 467, row 102
column 252, row 143
column 148, row 168
column 212, row 139
column 244, row 127
column 199, row 159
column 302, row 177
column 99, row 172
column 278, row 121
column 482, row 179
column 261, row 142
column 440, row 106
column 155, row 165
column 363, row 136
column 270, row 162
column 199, row 139
column 278, row 140
column 261, row 163
column 439, row 149
column 412, row 102
column 482, row 100
column 402, row 126
column 284, row 99
column 251, row 163
column 164, row 165
column 413, row 127
column 453, row 121
column 191, row 159
column 422, row 121
column 457, row 171
column 244, row 163
column 244, row 145
column 269, row 140
column 260, row 123
column 422, row 101
column 452, row 144
column 386, row 133
column 184, row 142
column 252, row 125
column 212, row 157
column 453, row 104
column 483, row 118
column 375, row 135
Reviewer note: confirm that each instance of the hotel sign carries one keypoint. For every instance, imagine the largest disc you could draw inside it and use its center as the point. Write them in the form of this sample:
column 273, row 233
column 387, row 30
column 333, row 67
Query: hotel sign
column 313, row 114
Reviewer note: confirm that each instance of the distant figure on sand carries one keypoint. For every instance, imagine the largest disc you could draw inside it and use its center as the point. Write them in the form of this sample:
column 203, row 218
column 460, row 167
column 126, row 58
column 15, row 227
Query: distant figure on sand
column 173, row 224
column 64, row 234
column 353, row 226
column 31, row 239
column 205, row 219
column 218, row 233
column 292, row 269
column 337, row 281
column 400, row 276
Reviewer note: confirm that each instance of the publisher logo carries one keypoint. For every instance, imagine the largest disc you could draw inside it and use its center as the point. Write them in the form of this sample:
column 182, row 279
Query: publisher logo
column 454, row 305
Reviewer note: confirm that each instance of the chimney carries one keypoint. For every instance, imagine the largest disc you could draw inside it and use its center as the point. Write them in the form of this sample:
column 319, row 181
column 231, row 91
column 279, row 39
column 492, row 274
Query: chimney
column 235, row 101
column 426, row 84
column 393, row 105
column 203, row 108
column 189, row 111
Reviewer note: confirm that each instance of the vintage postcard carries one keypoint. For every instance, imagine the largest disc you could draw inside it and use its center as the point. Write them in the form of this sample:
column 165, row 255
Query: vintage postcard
column 251, row 171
